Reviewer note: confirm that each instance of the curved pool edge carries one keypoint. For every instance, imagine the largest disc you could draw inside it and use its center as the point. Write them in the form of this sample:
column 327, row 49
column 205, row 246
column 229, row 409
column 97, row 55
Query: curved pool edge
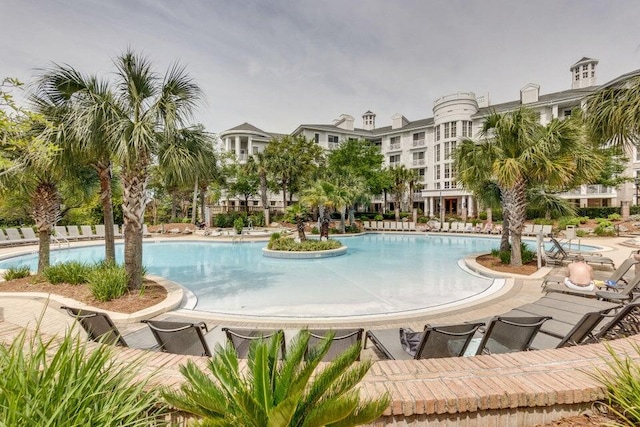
column 473, row 265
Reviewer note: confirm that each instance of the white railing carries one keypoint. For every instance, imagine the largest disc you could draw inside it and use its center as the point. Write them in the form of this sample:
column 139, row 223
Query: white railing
column 418, row 162
column 394, row 146
column 418, row 142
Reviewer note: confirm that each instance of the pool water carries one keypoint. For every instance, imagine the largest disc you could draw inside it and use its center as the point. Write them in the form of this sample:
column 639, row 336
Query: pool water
column 380, row 274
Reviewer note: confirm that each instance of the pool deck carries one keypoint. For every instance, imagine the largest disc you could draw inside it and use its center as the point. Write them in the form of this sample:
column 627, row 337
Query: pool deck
column 520, row 389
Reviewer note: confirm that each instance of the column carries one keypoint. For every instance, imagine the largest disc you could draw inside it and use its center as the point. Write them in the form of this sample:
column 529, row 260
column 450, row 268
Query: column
column 470, row 207
column 431, row 212
column 554, row 111
column 237, row 150
column 249, row 147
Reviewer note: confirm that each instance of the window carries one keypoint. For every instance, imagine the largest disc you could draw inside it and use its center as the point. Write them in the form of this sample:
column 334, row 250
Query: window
column 447, row 152
column 437, row 132
column 437, row 186
column 418, row 139
column 637, row 155
column 394, row 159
column 567, row 113
column 453, row 173
column 418, row 155
column 436, row 172
column 436, row 154
column 316, row 138
column 453, row 147
column 256, row 150
column 446, row 130
column 422, row 173
column 585, row 74
column 255, row 203
column 446, row 185
column 467, row 128
column 333, row 139
column 273, row 203
column 454, row 132
column 447, row 171
column 394, row 143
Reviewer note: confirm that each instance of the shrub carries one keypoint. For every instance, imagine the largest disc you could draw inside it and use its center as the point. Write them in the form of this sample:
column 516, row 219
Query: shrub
column 274, row 236
column 288, row 244
column 614, row 217
column 622, row 382
column 333, row 230
column 581, row 233
column 543, row 221
column 72, row 272
column 604, row 228
column 64, row 382
column 423, row 219
column 482, row 216
column 351, row 229
column 107, row 282
column 565, row 220
column 378, row 218
column 238, row 225
column 257, row 219
column 505, row 256
column 315, row 230
column 279, row 392
column 16, row 272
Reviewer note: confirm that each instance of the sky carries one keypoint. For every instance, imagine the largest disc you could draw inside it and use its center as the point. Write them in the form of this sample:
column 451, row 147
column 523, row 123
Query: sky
column 279, row 64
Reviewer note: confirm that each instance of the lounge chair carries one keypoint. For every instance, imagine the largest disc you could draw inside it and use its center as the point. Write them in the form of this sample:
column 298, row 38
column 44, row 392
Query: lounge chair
column 446, row 226
column 116, row 231
column 510, row 334
column 528, row 230
column 87, row 232
column 616, row 277
column 547, row 230
column 621, row 290
column 73, row 232
column 180, row 337
column 100, row 328
column 497, row 229
column 242, row 338
column 432, row 342
column 145, row 231
column 436, row 226
column 341, row 341
column 29, row 235
column 625, row 322
column 13, row 235
column 581, row 331
column 60, row 231
column 558, row 254
column 100, row 231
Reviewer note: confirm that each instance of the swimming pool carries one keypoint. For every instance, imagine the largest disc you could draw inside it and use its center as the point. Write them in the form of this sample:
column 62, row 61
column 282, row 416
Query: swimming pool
column 381, row 274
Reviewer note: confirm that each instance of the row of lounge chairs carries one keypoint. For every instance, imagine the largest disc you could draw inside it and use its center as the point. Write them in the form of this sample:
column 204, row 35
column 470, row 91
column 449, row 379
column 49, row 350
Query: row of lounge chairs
column 27, row 236
column 556, row 320
column 558, row 254
column 466, row 227
column 536, row 229
column 196, row 339
column 389, row 225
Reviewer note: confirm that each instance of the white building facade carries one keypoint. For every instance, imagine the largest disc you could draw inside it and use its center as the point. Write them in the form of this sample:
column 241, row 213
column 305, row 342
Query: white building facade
column 426, row 145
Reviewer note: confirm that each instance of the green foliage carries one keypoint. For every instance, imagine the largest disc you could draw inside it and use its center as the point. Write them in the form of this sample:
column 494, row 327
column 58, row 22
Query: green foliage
column 274, row 236
column 482, row 216
column 505, row 256
column 62, row 382
column 564, row 221
column 581, row 233
column 315, row 230
column 543, row 221
column 107, row 282
column 228, row 220
column 351, row 229
column 291, row 392
column 288, row 244
column 598, row 212
column 18, row 272
column 604, row 228
column 238, row 225
column 423, row 219
column 72, row 272
column 257, row 219
column 622, row 384
column 614, row 217
column 378, row 217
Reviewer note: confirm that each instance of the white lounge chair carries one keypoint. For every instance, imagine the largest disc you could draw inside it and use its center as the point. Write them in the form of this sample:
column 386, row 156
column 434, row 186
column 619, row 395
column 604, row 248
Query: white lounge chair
column 145, row 231
column 73, row 232
column 100, row 231
column 87, row 232
column 60, row 231
column 528, row 230
column 116, row 231
column 29, row 235
column 446, row 226
column 547, row 229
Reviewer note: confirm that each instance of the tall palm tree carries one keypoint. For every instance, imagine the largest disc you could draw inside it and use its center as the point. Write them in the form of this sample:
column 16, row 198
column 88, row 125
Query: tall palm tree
column 83, row 106
column 258, row 164
column 613, row 114
column 518, row 153
column 293, row 392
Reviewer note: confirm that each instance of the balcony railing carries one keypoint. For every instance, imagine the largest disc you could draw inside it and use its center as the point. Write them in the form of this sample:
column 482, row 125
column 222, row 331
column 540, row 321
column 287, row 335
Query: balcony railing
column 590, row 190
column 418, row 142
column 394, row 146
column 333, row 145
column 418, row 162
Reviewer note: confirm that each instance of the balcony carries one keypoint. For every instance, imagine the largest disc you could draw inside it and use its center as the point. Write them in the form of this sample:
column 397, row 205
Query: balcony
column 590, row 190
column 418, row 142
column 334, row 145
column 418, row 162
column 394, row 146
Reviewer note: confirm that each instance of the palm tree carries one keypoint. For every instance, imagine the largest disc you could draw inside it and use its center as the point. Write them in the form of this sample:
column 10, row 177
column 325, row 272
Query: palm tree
column 277, row 393
column 151, row 111
column 613, row 114
column 83, row 106
column 518, row 153
column 298, row 211
column 320, row 195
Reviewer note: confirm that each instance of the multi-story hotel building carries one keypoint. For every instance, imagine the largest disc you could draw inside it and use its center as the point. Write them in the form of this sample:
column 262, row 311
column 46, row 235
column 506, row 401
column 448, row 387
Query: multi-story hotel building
column 426, row 144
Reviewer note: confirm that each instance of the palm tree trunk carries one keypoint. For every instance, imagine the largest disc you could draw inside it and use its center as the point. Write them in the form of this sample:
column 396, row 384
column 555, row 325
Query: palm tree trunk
column 352, row 215
column 342, row 220
column 202, row 207
column 515, row 202
column 264, row 198
column 106, row 199
column 45, row 203
column 133, row 204
column 174, row 203
column 194, row 206
column 300, row 226
column 504, row 238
